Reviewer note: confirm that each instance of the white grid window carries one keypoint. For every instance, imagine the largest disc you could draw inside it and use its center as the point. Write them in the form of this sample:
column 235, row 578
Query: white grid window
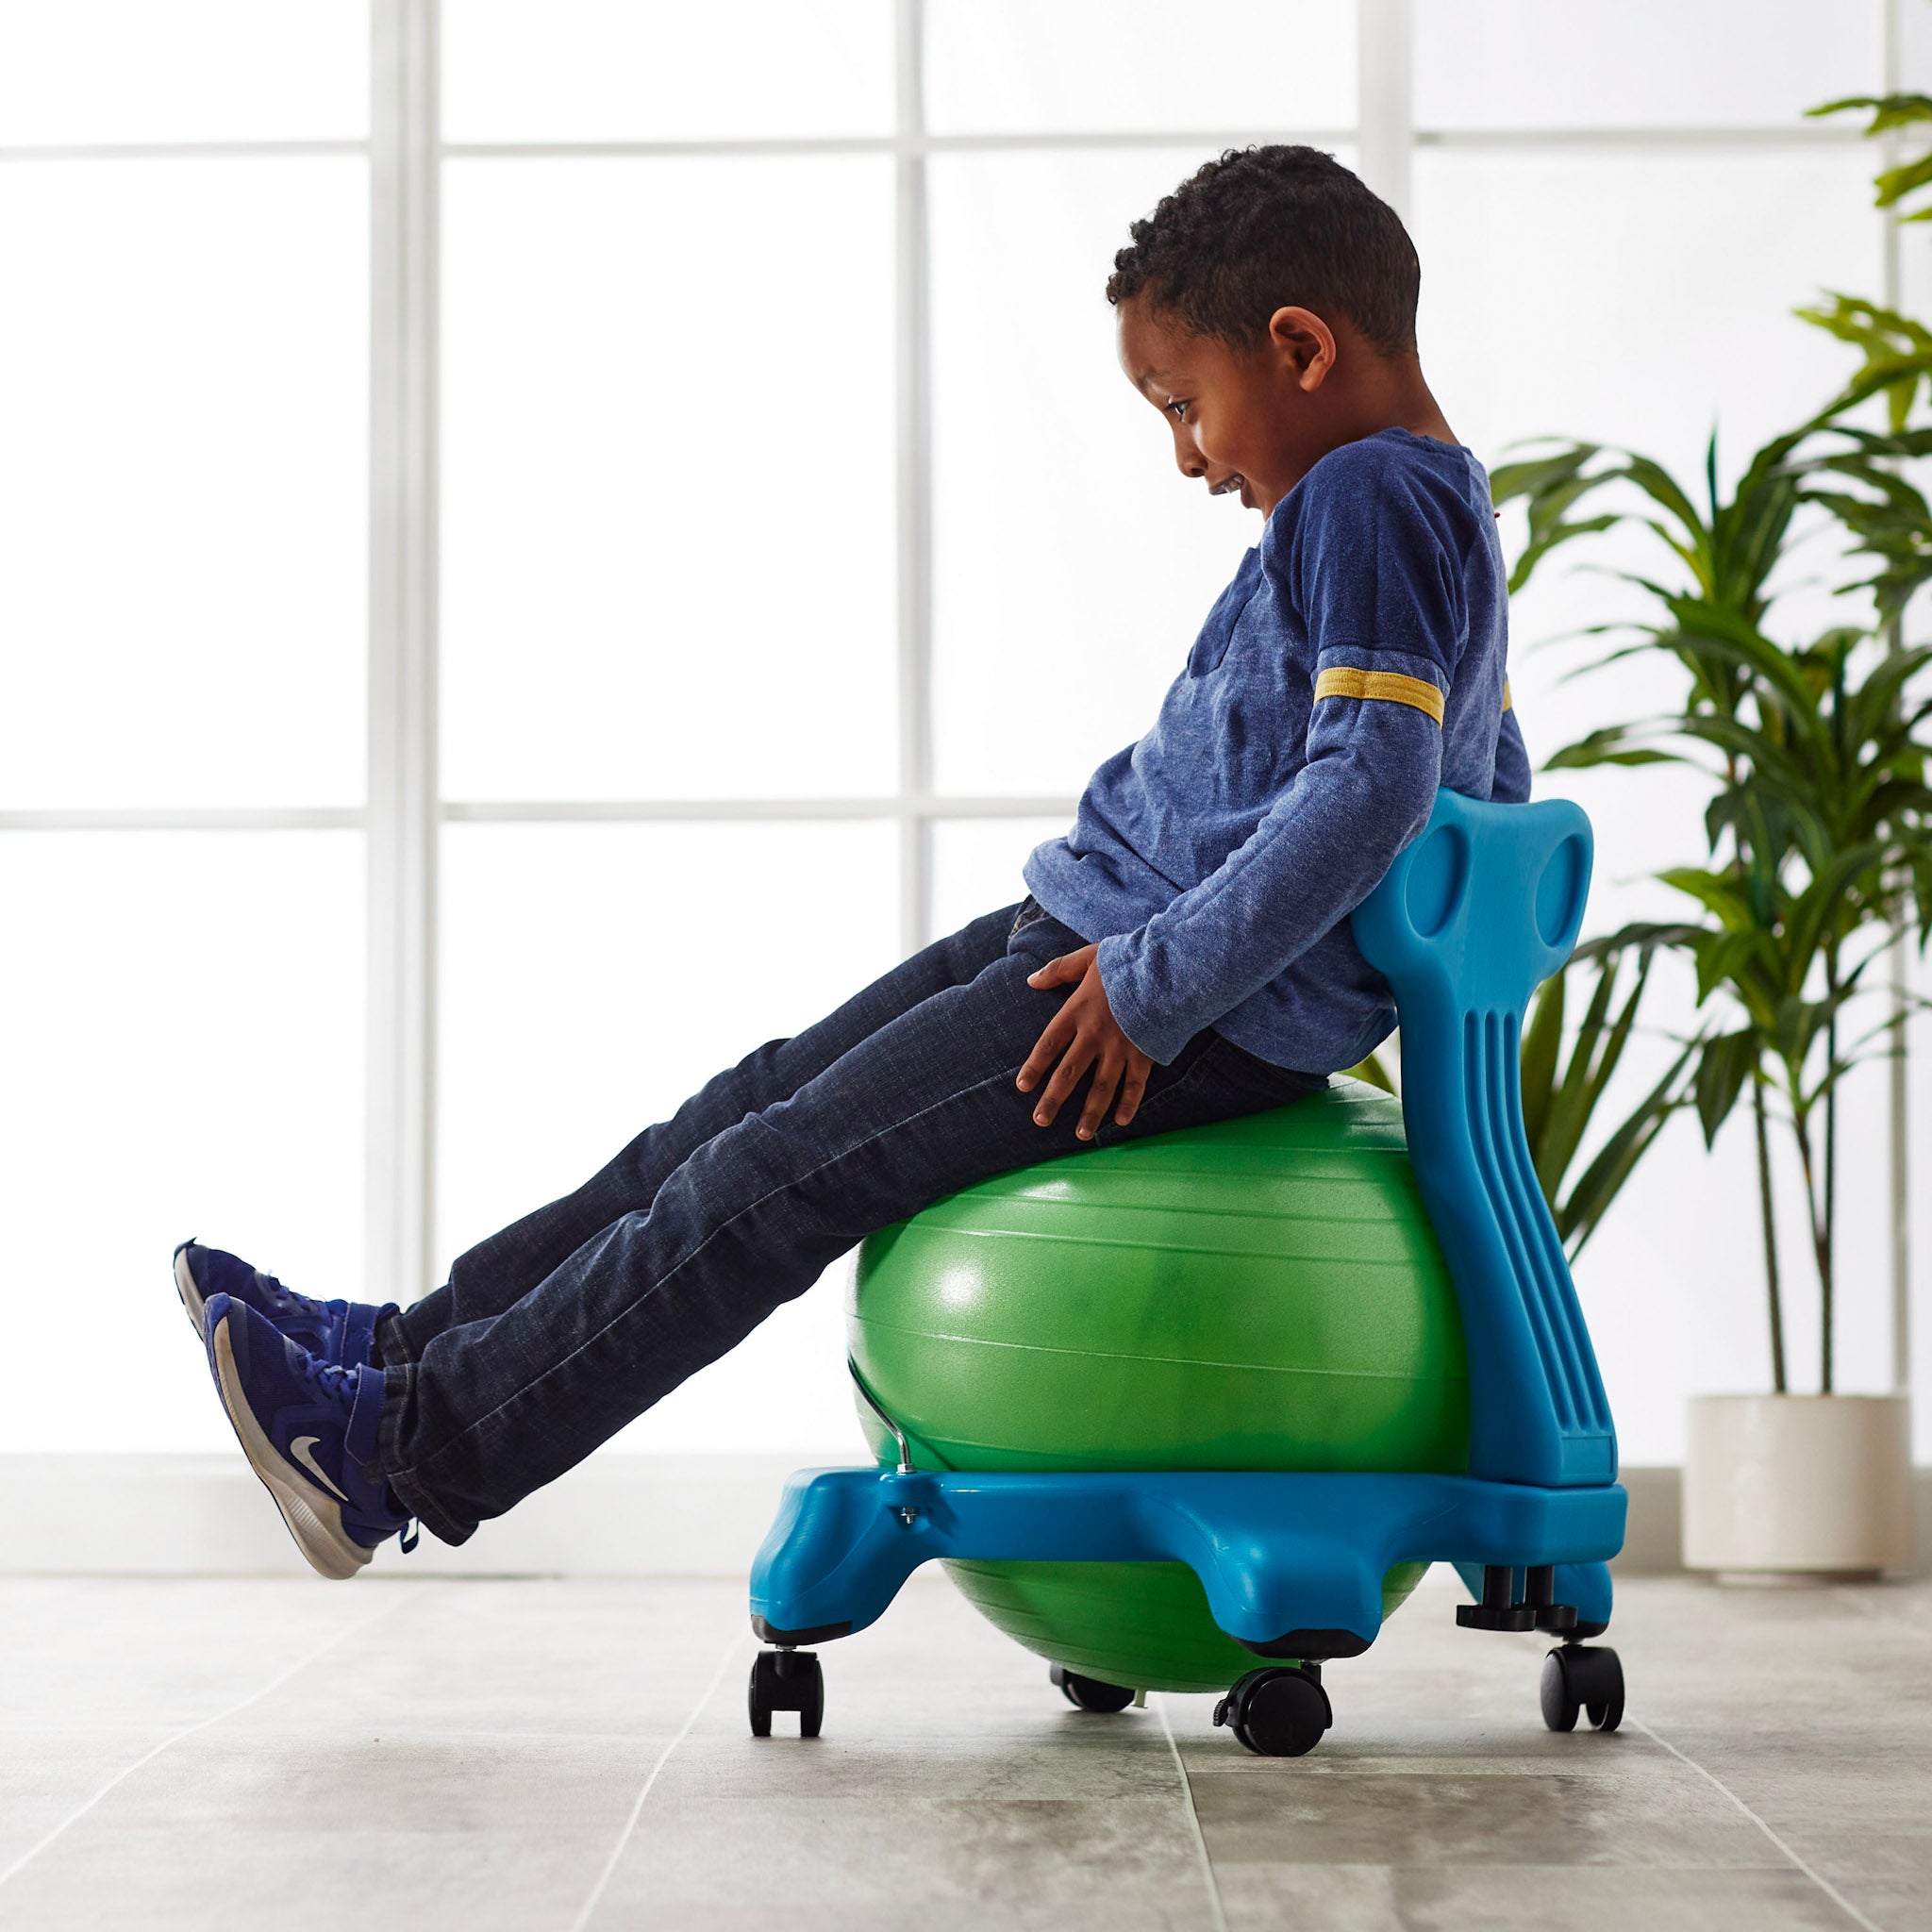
column 622, row 517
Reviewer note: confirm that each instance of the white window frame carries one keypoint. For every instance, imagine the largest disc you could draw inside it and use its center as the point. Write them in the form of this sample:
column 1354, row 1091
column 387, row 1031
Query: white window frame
column 404, row 811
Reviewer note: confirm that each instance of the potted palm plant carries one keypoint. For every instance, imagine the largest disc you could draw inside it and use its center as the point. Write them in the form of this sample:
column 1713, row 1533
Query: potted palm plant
column 1818, row 842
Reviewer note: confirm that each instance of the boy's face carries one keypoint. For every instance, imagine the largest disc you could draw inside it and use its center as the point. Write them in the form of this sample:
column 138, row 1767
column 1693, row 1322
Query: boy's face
column 1242, row 420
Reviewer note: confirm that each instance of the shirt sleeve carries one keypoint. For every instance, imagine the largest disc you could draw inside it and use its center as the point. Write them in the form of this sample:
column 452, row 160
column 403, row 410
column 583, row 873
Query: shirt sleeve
column 1379, row 580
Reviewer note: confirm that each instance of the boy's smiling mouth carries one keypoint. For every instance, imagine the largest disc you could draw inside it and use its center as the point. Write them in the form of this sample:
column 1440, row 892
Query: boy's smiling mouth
column 1233, row 485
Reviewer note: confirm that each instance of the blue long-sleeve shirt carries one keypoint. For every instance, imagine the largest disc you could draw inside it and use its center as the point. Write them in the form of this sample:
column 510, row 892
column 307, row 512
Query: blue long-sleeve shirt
column 1355, row 664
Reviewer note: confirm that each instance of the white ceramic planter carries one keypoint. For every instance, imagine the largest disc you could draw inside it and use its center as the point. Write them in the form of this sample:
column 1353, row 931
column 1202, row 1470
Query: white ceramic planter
column 1794, row 1486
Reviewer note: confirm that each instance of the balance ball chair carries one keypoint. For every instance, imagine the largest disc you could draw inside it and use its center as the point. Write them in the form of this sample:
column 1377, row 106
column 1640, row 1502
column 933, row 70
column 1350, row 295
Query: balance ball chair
column 1200, row 1409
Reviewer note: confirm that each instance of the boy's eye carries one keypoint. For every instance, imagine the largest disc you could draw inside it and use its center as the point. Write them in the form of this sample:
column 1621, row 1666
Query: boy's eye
column 1180, row 410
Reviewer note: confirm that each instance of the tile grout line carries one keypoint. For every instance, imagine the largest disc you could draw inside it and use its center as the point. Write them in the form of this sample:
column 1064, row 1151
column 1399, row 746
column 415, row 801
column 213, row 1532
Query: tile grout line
column 1817, row 1878
column 630, row 1823
column 1219, row 1915
column 173, row 1737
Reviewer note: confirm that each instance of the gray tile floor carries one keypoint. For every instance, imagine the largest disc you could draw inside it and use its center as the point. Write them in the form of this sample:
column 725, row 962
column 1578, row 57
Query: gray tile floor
column 482, row 1754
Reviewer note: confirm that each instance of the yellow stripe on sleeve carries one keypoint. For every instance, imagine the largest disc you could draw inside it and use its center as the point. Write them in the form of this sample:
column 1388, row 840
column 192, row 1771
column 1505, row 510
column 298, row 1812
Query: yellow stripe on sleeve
column 1389, row 686
column 1508, row 699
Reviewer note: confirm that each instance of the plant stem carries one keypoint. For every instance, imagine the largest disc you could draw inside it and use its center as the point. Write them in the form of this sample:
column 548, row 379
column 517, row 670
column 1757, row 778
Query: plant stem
column 1821, row 1247
column 1765, row 1201
column 1777, row 1313
column 1829, row 1269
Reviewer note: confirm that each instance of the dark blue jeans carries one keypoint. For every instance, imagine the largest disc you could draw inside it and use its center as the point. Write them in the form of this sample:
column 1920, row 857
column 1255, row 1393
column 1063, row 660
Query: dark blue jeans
column 553, row 1332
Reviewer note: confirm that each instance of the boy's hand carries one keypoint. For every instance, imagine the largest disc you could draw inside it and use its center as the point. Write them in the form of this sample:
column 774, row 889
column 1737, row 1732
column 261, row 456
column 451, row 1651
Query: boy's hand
column 1084, row 1033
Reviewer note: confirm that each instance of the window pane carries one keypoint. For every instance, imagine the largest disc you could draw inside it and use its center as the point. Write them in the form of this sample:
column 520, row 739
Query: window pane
column 1072, row 564
column 641, row 959
column 1638, row 299
column 192, row 70
column 975, row 865
column 1008, row 65
column 183, row 482
column 1525, row 63
column 1915, row 48
column 615, row 70
column 184, row 1058
column 668, row 537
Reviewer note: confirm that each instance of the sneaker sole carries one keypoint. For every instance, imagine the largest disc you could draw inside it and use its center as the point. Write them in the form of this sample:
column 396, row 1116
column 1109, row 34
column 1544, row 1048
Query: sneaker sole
column 190, row 1295
column 313, row 1518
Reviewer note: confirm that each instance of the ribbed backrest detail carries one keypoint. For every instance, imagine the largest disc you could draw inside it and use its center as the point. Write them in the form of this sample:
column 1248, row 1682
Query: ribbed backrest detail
column 1492, row 1078
column 1470, row 917
column 1550, row 1265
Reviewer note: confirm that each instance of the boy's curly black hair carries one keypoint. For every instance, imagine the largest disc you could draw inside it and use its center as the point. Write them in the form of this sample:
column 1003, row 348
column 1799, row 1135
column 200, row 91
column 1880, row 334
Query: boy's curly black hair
column 1264, row 227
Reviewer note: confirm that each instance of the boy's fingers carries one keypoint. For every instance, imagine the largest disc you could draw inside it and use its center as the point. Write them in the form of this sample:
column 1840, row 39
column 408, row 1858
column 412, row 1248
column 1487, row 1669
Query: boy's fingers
column 1107, row 1076
column 1057, row 1034
column 1054, row 971
column 1066, row 1076
column 1132, row 1087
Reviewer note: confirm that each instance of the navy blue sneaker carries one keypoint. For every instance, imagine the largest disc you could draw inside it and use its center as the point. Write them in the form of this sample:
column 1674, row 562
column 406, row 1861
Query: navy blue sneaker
column 308, row 1430
column 336, row 1331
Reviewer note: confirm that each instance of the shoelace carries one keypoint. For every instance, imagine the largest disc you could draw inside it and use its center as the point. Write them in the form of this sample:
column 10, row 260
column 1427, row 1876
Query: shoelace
column 337, row 1308
column 332, row 1379
column 264, row 1279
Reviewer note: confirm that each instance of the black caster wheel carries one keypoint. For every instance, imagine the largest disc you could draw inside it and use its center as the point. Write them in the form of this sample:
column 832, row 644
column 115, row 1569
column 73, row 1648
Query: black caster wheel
column 1277, row 1712
column 1586, row 1678
column 786, row 1680
column 1090, row 1693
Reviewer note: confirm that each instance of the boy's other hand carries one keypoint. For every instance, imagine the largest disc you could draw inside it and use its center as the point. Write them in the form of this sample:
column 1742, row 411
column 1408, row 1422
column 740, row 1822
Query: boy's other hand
column 1084, row 1033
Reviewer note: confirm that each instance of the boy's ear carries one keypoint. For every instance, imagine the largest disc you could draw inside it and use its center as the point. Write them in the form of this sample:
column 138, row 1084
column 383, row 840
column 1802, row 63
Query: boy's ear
column 1305, row 342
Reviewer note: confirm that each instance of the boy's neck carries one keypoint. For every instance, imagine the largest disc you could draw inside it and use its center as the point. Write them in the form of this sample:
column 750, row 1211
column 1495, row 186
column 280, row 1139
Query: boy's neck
column 1389, row 392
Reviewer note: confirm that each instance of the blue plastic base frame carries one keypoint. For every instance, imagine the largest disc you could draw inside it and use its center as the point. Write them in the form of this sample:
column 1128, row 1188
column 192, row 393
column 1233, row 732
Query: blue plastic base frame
column 1293, row 1563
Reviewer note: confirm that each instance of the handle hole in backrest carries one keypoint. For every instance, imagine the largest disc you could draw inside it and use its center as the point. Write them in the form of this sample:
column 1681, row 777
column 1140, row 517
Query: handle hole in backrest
column 1560, row 894
column 1437, row 876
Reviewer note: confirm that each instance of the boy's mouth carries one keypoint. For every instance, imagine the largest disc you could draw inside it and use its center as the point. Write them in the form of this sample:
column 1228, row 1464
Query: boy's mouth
column 1236, row 485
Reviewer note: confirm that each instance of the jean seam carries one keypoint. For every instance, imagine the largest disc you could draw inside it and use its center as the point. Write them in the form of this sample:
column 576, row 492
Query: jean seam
column 393, row 1341
column 685, row 1260
column 398, row 1383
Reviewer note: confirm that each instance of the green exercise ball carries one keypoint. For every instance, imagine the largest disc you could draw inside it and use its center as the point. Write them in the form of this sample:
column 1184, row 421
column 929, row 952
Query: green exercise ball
column 1261, row 1294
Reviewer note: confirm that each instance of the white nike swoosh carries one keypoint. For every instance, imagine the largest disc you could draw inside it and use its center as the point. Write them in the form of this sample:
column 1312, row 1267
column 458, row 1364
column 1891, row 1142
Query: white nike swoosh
column 303, row 1450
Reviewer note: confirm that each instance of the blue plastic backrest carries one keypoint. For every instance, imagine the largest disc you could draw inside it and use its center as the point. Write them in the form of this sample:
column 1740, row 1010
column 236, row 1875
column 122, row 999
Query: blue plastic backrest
column 1470, row 919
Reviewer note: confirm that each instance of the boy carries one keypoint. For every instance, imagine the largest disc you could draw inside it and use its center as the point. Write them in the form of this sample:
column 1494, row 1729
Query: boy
column 1184, row 951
